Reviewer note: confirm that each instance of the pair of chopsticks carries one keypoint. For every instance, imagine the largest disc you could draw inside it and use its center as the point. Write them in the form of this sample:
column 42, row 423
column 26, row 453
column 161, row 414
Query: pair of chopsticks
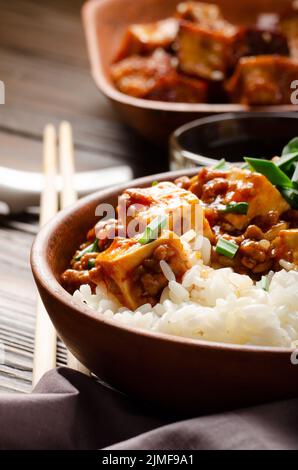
column 45, row 334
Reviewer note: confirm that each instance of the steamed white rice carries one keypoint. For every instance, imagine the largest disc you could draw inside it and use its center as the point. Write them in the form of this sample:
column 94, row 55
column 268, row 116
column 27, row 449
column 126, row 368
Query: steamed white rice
column 213, row 305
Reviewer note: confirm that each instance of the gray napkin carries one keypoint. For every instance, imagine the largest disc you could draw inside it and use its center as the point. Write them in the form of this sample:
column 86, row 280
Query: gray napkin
column 68, row 410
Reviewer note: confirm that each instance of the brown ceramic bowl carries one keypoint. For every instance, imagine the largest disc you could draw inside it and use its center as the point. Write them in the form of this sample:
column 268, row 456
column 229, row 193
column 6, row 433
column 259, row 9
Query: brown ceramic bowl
column 105, row 22
column 181, row 375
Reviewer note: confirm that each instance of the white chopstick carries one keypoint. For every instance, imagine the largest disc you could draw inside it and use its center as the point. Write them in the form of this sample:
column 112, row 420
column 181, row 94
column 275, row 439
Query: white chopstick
column 45, row 348
column 68, row 196
column 45, row 334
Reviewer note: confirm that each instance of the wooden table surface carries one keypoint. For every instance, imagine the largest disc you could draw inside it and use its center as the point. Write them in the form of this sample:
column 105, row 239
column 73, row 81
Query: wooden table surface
column 45, row 68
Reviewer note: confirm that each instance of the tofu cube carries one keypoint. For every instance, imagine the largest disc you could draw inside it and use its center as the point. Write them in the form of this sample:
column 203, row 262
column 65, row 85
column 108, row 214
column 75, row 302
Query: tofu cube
column 132, row 273
column 263, row 80
column 204, row 53
column 288, row 246
column 245, row 186
column 251, row 41
column 138, row 76
column 177, row 88
column 199, row 12
column 142, row 205
column 145, row 38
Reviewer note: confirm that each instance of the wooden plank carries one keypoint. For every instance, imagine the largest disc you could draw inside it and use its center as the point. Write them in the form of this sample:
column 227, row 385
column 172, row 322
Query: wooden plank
column 43, row 87
column 17, row 312
column 22, row 21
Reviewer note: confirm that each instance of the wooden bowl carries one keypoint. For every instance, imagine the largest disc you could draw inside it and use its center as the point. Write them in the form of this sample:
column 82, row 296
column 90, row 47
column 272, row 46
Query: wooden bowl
column 177, row 374
column 105, row 22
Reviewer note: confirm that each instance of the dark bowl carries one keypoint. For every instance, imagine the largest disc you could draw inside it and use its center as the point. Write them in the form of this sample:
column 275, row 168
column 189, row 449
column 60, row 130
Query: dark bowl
column 231, row 136
column 177, row 374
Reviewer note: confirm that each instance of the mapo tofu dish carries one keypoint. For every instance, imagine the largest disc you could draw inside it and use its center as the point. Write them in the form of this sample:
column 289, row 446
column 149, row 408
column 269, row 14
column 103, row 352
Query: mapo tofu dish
column 243, row 217
column 198, row 56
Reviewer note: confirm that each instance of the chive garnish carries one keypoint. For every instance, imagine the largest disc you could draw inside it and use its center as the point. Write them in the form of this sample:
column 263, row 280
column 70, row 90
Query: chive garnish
column 245, row 166
column 285, row 162
column 226, row 248
column 93, row 248
column 235, row 208
column 291, row 147
column 291, row 196
column 91, row 263
column 153, row 230
column 269, row 169
column 264, row 283
column 295, row 174
column 221, row 165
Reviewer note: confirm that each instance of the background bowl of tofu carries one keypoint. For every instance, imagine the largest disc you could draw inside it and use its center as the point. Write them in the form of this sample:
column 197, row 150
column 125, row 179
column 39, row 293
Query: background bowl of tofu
column 155, row 103
column 180, row 375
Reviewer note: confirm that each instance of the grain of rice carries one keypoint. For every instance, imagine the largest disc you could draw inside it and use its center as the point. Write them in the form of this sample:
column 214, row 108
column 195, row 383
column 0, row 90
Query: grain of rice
column 167, row 271
column 286, row 265
column 206, row 251
column 188, row 236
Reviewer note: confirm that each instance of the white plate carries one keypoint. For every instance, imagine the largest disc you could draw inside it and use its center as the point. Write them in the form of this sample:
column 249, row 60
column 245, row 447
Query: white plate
column 21, row 189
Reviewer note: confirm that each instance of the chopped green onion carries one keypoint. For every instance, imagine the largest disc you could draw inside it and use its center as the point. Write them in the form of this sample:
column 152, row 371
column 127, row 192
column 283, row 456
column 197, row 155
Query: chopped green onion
column 295, row 175
column 155, row 183
column 221, row 165
column 91, row 263
column 274, row 174
column 291, row 196
column 291, row 147
column 286, row 161
column 245, row 166
column 226, row 248
column 264, row 283
column 93, row 248
column 153, row 230
column 235, row 208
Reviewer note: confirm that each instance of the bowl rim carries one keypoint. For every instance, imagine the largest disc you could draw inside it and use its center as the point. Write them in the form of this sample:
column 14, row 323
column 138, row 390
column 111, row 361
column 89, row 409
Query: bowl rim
column 175, row 145
column 44, row 276
column 109, row 90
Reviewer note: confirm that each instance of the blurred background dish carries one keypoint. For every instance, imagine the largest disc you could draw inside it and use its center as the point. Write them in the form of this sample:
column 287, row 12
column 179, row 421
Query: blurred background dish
column 106, row 22
column 231, row 136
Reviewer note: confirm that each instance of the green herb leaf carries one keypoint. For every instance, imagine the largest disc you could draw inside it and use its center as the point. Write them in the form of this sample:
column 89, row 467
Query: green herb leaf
column 291, row 196
column 153, row 230
column 226, row 248
column 269, row 169
column 295, row 175
column 91, row 263
column 264, row 283
column 245, row 166
column 235, row 208
column 221, row 165
column 155, row 183
column 93, row 248
column 291, row 147
column 286, row 162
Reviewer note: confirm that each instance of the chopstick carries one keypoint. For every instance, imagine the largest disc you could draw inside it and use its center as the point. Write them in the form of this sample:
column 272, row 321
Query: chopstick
column 45, row 334
column 68, row 196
